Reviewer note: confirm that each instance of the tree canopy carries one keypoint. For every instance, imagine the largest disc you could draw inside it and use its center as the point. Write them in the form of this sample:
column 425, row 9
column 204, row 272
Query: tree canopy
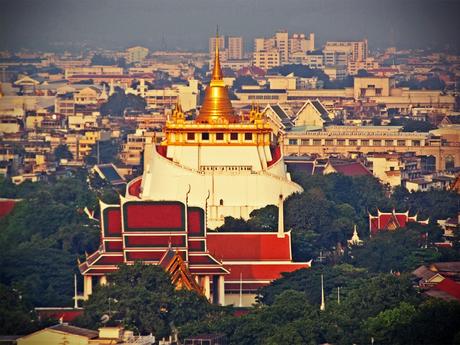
column 142, row 298
column 119, row 102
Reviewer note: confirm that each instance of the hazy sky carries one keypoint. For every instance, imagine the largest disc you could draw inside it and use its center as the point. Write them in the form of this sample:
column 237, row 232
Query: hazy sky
column 187, row 24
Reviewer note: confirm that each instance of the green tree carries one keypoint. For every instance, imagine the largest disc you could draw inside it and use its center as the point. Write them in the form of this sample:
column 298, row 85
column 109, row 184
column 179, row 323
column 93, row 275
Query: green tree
column 401, row 250
column 119, row 102
column 390, row 326
column 143, row 299
column 15, row 317
column 62, row 152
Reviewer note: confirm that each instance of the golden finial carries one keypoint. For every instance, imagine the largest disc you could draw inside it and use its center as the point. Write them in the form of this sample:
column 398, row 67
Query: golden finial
column 217, row 71
column 217, row 107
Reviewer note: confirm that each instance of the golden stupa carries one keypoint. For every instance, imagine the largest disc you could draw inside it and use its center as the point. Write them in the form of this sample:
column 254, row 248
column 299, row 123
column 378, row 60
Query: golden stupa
column 217, row 107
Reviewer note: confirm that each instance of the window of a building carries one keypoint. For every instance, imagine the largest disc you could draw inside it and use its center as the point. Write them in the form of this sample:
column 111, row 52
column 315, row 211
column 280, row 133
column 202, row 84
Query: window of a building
column 233, row 136
column 205, row 136
column 292, row 141
column 190, row 136
column 219, row 136
column 247, row 136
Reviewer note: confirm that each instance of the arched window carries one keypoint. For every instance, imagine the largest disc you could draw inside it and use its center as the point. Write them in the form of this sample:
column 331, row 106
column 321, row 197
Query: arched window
column 221, row 202
column 450, row 162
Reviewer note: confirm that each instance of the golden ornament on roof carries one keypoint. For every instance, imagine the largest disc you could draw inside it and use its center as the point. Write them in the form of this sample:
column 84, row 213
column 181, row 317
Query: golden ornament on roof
column 217, row 107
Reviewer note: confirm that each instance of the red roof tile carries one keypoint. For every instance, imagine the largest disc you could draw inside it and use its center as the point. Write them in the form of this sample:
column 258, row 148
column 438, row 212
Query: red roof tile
column 351, row 169
column 249, row 246
column 450, row 287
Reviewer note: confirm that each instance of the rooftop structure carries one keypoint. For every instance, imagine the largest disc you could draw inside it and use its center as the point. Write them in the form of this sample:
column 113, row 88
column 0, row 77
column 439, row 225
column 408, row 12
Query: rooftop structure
column 391, row 221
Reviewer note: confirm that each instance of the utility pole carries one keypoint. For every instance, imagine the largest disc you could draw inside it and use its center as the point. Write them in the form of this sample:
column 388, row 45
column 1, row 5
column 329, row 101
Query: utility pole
column 338, row 294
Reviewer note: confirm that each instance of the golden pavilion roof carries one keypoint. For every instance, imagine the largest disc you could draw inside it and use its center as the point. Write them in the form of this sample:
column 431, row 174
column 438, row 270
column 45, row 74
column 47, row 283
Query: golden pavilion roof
column 217, row 107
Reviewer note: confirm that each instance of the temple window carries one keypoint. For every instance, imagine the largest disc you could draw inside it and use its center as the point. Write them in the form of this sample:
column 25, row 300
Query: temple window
column 247, row 136
column 219, row 136
column 191, row 136
column 205, row 136
column 233, row 136
column 221, row 202
column 292, row 141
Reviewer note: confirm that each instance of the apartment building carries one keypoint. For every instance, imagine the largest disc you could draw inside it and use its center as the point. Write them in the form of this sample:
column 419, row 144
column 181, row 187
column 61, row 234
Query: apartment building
column 235, row 48
column 353, row 50
column 289, row 47
column 136, row 54
column 266, row 59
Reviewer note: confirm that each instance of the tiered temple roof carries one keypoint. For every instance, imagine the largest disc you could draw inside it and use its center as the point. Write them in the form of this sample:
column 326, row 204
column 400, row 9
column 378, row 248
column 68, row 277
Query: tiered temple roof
column 391, row 220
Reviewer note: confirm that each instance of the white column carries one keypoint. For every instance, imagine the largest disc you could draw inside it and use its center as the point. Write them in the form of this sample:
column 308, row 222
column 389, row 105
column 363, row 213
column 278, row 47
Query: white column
column 102, row 280
column 207, row 287
column 221, row 289
column 87, row 286
column 280, row 217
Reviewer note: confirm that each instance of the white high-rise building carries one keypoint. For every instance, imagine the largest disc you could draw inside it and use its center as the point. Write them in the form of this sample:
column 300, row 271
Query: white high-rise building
column 289, row 47
column 235, row 48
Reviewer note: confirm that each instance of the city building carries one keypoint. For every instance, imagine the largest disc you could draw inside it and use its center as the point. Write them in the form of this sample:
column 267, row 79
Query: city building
column 218, row 165
column 336, row 72
column 235, row 48
column 351, row 140
column 64, row 333
column 212, row 46
column 187, row 95
column 136, row 54
column 393, row 168
column 266, row 59
column 312, row 113
column 352, row 50
column 288, row 47
column 92, row 70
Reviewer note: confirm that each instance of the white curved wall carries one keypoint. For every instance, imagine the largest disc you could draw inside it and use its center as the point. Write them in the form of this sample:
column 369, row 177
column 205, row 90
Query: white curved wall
column 240, row 192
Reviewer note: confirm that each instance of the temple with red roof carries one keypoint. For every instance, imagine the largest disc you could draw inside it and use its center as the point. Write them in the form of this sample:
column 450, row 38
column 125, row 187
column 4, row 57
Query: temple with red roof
column 391, row 221
column 218, row 165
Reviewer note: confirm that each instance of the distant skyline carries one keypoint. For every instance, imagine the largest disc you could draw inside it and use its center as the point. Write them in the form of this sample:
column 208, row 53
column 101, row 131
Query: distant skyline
column 187, row 24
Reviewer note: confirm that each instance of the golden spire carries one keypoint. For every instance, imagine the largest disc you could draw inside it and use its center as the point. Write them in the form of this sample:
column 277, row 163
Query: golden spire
column 217, row 107
column 217, row 71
